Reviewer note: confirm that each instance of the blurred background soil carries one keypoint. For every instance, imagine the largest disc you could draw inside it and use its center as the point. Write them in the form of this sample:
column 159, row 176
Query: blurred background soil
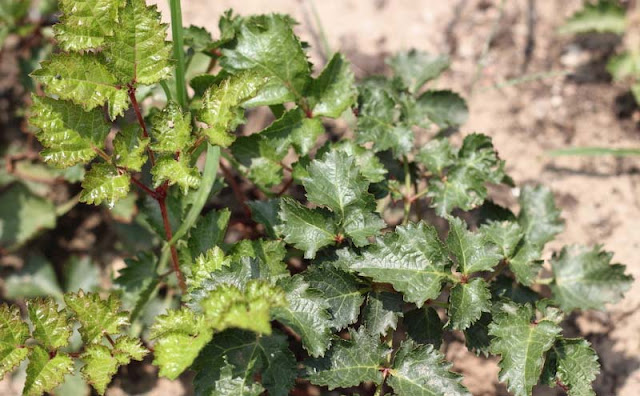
column 530, row 89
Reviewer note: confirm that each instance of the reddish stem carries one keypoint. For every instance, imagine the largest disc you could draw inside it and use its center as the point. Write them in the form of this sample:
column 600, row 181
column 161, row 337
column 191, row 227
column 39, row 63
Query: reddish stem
column 144, row 188
column 175, row 262
column 136, row 108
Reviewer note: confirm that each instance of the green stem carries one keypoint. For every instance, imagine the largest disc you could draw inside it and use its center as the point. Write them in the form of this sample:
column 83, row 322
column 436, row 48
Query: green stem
column 407, row 187
column 178, row 52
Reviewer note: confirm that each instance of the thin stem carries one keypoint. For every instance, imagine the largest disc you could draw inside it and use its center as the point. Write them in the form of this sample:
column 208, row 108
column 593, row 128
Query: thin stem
column 178, row 52
column 144, row 188
column 136, row 109
column 407, row 197
column 165, row 88
column 174, row 252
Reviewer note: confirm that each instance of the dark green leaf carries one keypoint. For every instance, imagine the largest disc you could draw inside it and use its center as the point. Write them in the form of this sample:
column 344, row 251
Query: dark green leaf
column 471, row 251
column 381, row 312
column 539, row 217
column 424, row 326
column 467, row 302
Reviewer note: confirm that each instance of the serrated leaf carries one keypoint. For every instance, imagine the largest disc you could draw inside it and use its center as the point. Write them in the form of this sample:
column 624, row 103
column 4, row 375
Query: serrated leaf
column 471, row 251
column 334, row 90
column 437, row 155
column 605, row 16
column 197, row 38
column 13, row 335
column 369, row 166
column 248, row 355
column 50, row 326
column 505, row 235
column 100, row 367
column 307, row 314
column 266, row 213
column 45, row 373
column 424, row 326
column 420, row 370
column 476, row 336
column 130, row 148
column 306, row 229
column 176, row 172
column 267, row 44
column 415, row 68
column 171, row 129
column 221, row 103
column 574, row 365
column 505, row 287
column 97, row 316
column 269, row 254
column 526, row 263
column 539, row 217
column 349, row 362
column 68, row 132
column 228, row 385
column 412, row 259
column 85, row 24
column 444, row 108
column 103, row 183
column 138, row 281
column 361, row 223
column 584, row 278
column 210, row 261
column 522, row 344
column 83, row 79
column 467, row 302
column 137, row 51
column 341, row 291
column 25, row 217
column 381, row 312
column 209, row 231
column 126, row 349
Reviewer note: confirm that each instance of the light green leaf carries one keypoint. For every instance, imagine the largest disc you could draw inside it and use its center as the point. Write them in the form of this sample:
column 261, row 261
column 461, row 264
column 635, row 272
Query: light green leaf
column 420, row 370
column 176, row 172
column 584, row 278
column 522, row 344
column 471, row 251
column 382, row 312
column 415, row 68
column 97, row 316
column 424, row 326
column 573, row 364
column 334, row 89
column 83, row 79
column 103, row 183
column 45, row 373
column 467, row 302
column 228, row 385
column 349, row 362
column 171, row 129
column 85, row 24
column 50, row 326
column 624, row 65
column 605, row 16
column 437, row 155
column 306, row 229
column 130, row 148
column 444, row 108
column 100, row 367
column 539, row 217
column 126, row 349
column 25, row 217
column 210, row 261
column 13, row 335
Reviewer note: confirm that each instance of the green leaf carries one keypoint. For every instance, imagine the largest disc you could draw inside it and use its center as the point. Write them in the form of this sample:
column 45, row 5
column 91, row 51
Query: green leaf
column 539, row 217
column 412, row 259
column 126, row 349
column 85, row 24
column 467, row 302
column 13, row 335
column 266, row 213
column 349, row 362
column 424, row 326
column 25, row 217
column 361, row 223
column 228, row 385
column 45, row 373
column 210, row 261
column 100, row 367
column 68, row 132
column 138, row 279
column 445, row 108
column 171, row 129
column 221, row 103
column 341, row 291
column 307, row 314
column 415, row 68
column 130, row 148
column 368, row 164
column 585, row 279
column 526, row 263
column 249, row 355
column 83, row 79
column 381, row 312
column 81, row 272
column 334, row 89
column 176, row 172
column 477, row 337
column 97, row 316
column 137, row 50
column 304, row 228
column 437, row 155
column 574, row 365
column 103, row 183
column 209, row 231
column 624, row 65
column 37, row 278
column 522, row 344
column 50, row 326
column 420, row 370
column 197, row 38
column 471, row 251
column 505, row 235
column 605, row 16
column 267, row 44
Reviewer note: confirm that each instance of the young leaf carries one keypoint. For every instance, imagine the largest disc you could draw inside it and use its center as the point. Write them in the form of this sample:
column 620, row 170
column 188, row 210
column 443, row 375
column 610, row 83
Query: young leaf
column 505, row 235
column 605, row 16
column 522, row 345
column 349, row 362
column 467, row 302
column 420, row 370
column 307, row 314
column 526, row 263
column 137, row 50
column 624, row 65
column 412, row 259
column 97, row 316
column 85, row 24
column 573, row 365
column 130, row 148
column 50, row 326
column 444, row 108
column 204, row 265
column 437, row 155
column 44, row 373
column 471, row 251
column 100, row 367
column 13, row 335
column 304, row 228
column 415, row 68
column 585, row 279
column 69, row 133
column 381, row 312
column 171, row 129
column 341, row 290
column 368, row 164
column 103, row 183
column 176, row 172
column 83, row 79
column 539, row 217
column 334, row 90
column 424, row 326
